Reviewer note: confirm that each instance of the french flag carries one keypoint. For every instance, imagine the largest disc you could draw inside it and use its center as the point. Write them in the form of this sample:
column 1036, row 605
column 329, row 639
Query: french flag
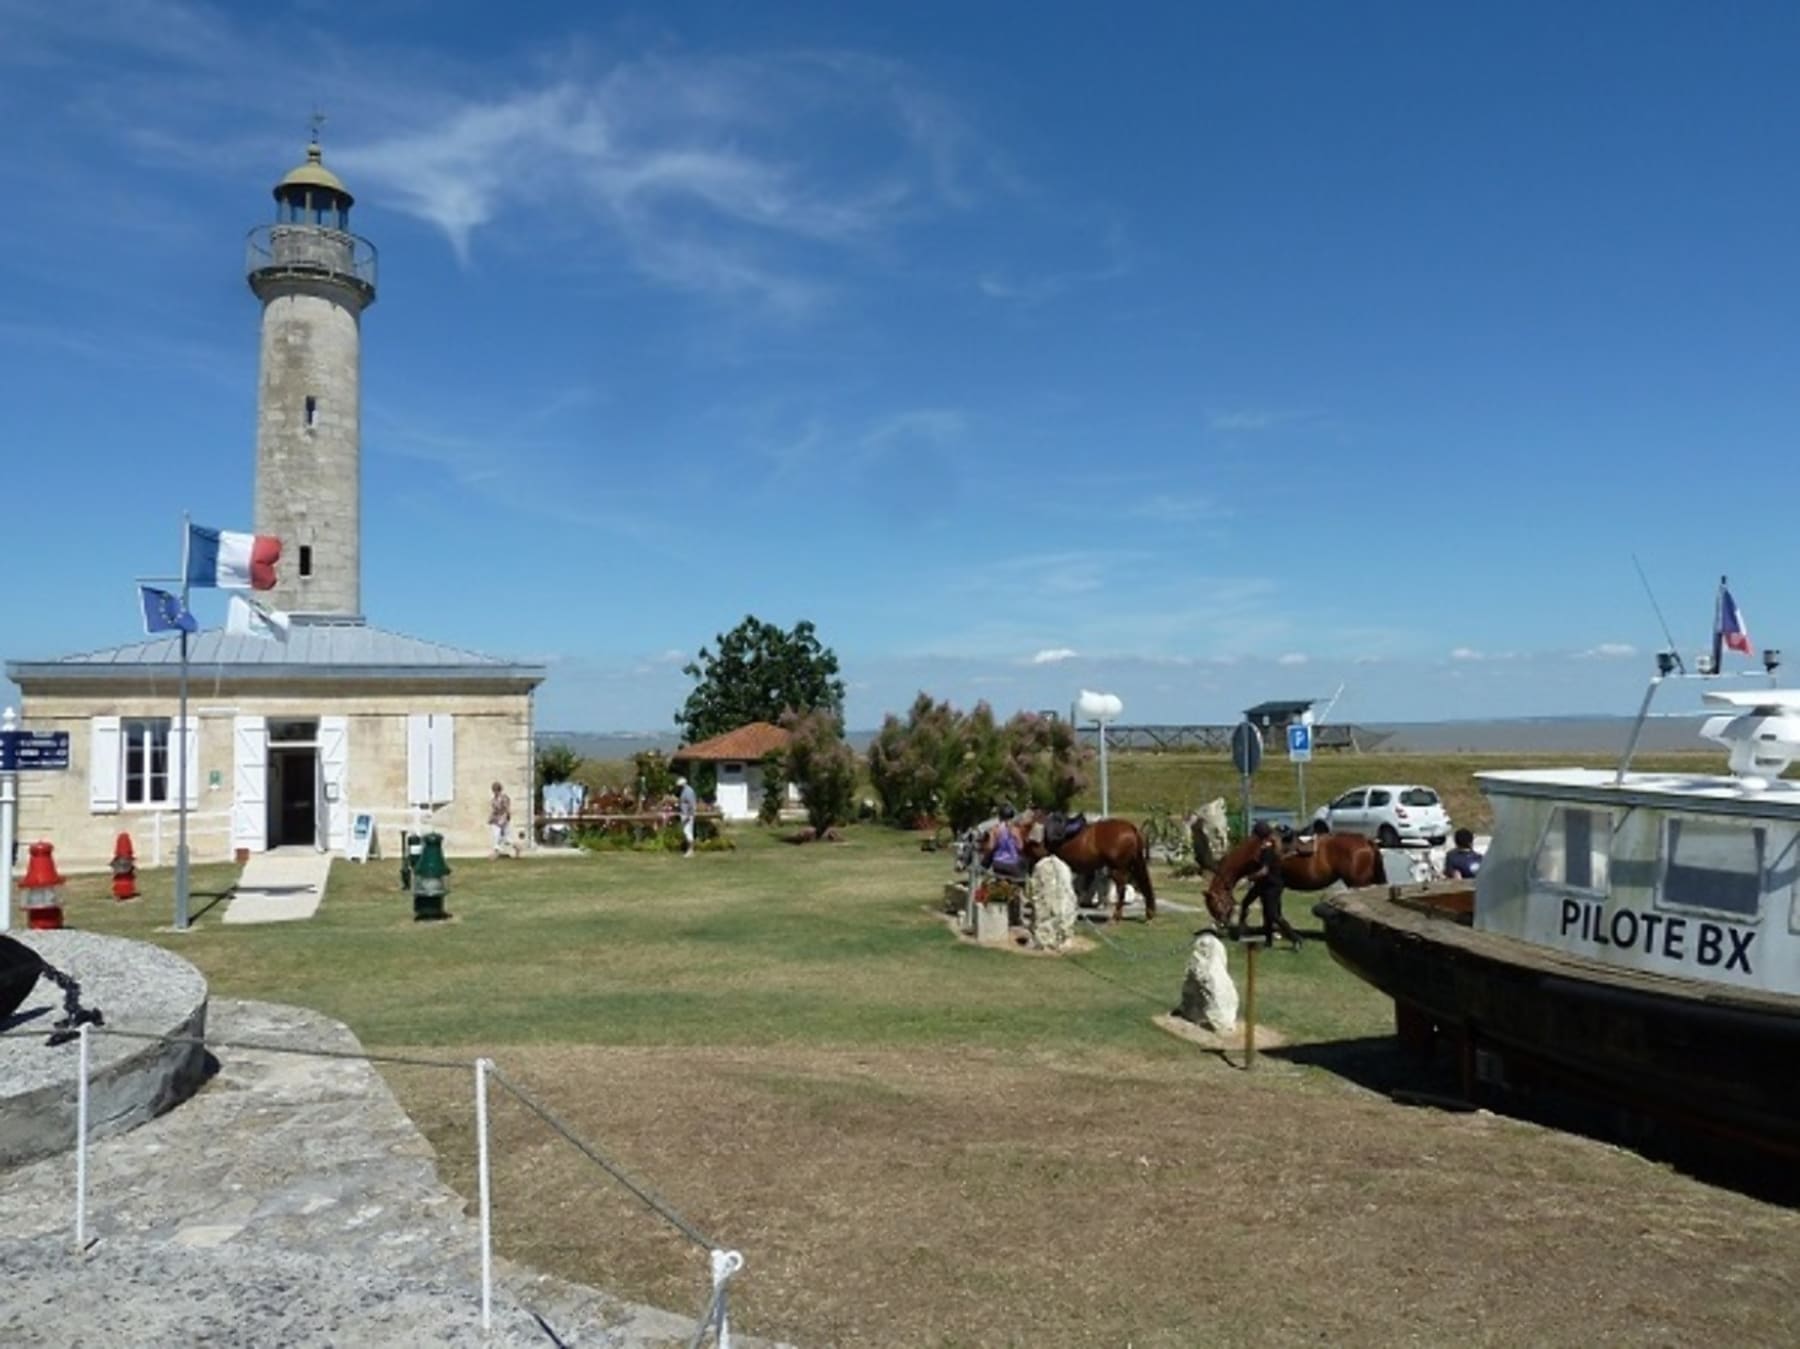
column 231, row 561
column 1731, row 623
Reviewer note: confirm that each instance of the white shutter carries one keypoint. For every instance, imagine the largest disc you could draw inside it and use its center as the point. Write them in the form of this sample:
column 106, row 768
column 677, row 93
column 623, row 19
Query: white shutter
column 334, row 780
column 418, row 759
column 443, row 758
column 104, row 753
column 250, row 783
column 190, row 737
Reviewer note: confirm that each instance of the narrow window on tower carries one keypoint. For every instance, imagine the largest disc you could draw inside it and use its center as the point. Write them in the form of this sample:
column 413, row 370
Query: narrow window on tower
column 306, row 559
column 312, row 411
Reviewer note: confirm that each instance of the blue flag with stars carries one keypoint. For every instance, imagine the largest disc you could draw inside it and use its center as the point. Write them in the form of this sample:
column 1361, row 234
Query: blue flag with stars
column 163, row 612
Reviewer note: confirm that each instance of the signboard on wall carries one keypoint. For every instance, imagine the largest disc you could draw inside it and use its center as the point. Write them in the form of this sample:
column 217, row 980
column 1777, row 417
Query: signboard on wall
column 362, row 838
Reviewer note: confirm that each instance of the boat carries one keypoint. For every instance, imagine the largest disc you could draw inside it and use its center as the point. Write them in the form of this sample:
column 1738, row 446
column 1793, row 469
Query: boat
column 1631, row 937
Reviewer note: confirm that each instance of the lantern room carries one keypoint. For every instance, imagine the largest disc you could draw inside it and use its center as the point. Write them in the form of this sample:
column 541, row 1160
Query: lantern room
column 313, row 195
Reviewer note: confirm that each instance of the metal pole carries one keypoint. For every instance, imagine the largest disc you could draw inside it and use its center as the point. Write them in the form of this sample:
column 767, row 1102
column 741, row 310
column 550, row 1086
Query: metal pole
column 181, row 837
column 1300, row 768
column 9, row 827
column 1637, row 729
column 1246, row 805
column 1105, row 799
column 481, row 1154
column 1250, row 1005
column 81, row 1145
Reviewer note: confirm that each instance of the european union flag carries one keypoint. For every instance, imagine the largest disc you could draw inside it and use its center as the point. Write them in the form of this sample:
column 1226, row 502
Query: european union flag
column 163, row 612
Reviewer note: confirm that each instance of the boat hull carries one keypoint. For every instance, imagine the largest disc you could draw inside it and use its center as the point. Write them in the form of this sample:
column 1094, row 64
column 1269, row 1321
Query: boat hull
column 1692, row 1053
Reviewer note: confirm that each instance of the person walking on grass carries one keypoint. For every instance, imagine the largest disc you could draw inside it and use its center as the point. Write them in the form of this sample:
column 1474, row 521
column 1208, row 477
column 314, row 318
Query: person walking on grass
column 1266, row 886
column 688, row 805
column 500, row 821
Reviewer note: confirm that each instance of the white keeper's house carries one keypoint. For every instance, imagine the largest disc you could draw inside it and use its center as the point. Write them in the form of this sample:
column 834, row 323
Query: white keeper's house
column 288, row 742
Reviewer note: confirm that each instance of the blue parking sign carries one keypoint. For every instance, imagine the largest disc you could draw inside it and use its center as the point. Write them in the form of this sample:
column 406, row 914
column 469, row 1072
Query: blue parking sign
column 1299, row 742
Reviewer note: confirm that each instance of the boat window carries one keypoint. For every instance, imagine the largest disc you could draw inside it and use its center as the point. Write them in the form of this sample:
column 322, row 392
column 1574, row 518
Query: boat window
column 1713, row 866
column 1418, row 796
column 1576, row 852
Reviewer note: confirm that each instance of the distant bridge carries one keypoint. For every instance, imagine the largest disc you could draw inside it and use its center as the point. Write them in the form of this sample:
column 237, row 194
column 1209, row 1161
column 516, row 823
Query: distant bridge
column 1217, row 738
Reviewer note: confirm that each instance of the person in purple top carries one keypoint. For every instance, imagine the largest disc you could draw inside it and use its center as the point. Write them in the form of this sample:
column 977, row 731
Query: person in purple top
column 1001, row 850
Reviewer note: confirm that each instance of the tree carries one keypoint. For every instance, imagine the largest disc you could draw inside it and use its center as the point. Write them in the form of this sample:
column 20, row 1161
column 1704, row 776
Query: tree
column 759, row 673
column 556, row 763
column 822, row 765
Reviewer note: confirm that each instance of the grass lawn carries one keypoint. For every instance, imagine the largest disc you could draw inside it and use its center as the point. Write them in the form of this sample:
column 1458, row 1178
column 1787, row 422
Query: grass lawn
column 918, row 1142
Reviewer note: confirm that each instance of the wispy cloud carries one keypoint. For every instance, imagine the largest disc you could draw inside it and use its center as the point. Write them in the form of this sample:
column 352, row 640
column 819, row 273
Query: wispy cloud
column 1247, row 420
column 1607, row 651
column 1030, row 289
column 1054, row 655
column 758, row 176
column 1466, row 653
column 1292, row 658
column 1180, row 509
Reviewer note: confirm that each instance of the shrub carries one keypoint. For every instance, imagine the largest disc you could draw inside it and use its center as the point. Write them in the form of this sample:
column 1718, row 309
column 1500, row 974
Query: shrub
column 944, row 764
column 823, row 766
column 655, row 780
column 910, row 763
column 774, row 778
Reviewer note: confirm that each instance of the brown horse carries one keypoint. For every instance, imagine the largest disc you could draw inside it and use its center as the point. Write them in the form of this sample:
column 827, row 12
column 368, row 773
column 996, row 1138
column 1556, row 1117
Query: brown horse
column 1113, row 846
column 1349, row 858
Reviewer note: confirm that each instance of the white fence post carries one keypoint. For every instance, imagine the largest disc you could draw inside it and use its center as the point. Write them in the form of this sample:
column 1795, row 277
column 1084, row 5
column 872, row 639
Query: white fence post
column 81, row 1145
column 481, row 1153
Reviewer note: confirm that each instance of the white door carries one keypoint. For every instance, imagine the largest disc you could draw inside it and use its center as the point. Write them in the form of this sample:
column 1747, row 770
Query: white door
column 249, row 783
column 734, row 800
column 334, row 782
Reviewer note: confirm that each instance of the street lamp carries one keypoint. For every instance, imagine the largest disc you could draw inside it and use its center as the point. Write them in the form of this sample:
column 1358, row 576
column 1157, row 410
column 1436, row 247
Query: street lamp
column 1100, row 708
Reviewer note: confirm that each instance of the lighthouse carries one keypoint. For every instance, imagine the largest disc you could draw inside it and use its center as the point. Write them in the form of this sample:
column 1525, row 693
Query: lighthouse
column 314, row 278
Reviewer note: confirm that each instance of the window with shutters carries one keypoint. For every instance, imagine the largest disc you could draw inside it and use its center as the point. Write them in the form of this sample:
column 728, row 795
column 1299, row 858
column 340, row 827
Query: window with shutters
column 148, row 780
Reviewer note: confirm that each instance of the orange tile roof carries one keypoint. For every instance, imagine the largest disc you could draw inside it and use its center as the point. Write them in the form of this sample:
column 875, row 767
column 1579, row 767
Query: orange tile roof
column 749, row 743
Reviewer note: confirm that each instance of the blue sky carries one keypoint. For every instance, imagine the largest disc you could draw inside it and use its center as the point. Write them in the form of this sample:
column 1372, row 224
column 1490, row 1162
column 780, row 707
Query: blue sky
column 1200, row 353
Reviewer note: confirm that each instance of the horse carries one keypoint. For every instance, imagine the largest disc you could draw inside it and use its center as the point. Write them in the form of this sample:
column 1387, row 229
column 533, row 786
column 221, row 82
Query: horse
column 1111, row 845
column 1350, row 858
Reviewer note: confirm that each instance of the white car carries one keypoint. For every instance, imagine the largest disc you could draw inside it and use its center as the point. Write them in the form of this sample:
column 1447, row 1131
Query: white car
column 1391, row 813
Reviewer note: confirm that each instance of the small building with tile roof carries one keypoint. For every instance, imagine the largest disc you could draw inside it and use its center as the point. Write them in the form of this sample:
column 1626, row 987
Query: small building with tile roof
column 737, row 756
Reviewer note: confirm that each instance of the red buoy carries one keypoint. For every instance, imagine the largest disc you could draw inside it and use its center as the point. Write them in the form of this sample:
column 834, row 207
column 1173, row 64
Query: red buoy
column 124, row 869
column 43, row 889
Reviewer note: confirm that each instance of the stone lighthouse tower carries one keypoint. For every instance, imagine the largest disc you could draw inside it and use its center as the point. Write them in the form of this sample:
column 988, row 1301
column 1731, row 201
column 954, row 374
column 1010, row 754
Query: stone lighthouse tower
column 314, row 279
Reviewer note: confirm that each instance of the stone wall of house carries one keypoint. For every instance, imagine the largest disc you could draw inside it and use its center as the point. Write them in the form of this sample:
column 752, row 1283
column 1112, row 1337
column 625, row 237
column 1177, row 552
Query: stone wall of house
column 492, row 743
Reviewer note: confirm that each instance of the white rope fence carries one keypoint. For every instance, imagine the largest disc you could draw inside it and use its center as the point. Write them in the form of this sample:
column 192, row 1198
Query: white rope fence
column 715, row 1318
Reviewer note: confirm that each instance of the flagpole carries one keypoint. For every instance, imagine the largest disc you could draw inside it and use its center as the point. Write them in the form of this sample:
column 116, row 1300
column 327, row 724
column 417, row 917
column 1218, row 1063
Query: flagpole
column 1718, row 646
column 181, row 838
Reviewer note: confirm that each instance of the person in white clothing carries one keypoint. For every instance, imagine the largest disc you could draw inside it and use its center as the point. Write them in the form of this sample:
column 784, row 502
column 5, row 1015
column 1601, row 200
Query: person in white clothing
column 500, row 821
column 688, row 804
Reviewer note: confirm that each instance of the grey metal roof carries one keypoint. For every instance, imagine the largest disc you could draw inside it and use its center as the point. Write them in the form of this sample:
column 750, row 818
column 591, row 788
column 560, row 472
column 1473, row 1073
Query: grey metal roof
column 1280, row 707
column 312, row 650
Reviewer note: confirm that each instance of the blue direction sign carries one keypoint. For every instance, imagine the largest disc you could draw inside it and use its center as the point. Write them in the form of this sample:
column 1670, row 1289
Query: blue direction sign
column 1299, row 742
column 33, row 751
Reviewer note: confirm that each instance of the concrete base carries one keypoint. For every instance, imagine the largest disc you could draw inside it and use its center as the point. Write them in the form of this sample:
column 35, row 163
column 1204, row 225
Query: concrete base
column 992, row 925
column 138, row 987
